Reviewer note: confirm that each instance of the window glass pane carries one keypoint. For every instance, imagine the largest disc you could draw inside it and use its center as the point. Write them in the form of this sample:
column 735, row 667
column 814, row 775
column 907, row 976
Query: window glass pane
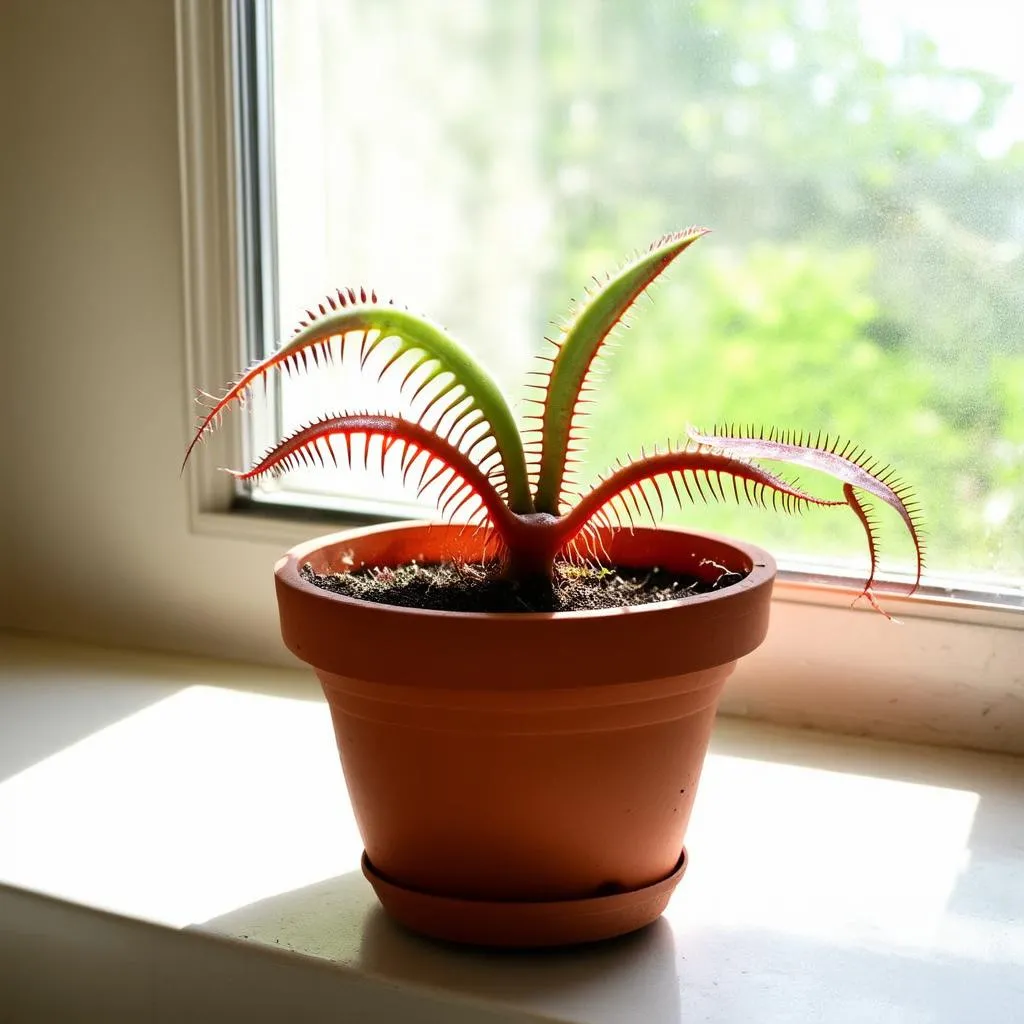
column 861, row 165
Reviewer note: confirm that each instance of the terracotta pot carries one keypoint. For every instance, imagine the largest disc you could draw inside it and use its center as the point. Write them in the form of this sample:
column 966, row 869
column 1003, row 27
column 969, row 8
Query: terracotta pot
column 533, row 758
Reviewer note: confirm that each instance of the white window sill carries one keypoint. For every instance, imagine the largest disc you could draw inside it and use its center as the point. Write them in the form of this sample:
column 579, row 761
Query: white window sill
column 831, row 879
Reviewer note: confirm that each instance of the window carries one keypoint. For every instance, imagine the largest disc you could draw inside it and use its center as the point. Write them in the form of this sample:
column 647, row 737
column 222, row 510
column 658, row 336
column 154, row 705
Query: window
column 839, row 275
column 862, row 168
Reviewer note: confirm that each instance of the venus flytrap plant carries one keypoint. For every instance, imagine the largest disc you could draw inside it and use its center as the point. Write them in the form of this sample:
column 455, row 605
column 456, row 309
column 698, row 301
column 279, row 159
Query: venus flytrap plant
column 461, row 435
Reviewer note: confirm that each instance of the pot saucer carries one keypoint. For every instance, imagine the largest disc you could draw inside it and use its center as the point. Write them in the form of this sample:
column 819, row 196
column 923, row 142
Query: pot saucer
column 524, row 925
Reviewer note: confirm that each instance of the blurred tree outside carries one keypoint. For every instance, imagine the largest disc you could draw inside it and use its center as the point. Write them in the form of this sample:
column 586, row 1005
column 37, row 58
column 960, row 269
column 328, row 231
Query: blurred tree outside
column 864, row 277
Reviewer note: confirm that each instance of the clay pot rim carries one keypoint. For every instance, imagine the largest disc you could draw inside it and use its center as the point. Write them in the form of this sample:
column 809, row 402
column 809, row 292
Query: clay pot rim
column 286, row 569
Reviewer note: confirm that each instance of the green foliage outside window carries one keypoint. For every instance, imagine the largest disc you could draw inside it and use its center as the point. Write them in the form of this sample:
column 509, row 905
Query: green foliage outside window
column 866, row 270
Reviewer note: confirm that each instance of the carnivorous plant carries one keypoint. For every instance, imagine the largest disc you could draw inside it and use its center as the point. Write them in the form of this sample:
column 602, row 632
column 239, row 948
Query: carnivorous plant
column 461, row 434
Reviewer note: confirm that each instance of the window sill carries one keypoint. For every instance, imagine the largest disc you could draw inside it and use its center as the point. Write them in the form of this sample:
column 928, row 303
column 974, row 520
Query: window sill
column 852, row 878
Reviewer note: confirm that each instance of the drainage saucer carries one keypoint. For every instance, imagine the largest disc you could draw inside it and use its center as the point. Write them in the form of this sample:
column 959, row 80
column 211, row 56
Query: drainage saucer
column 524, row 925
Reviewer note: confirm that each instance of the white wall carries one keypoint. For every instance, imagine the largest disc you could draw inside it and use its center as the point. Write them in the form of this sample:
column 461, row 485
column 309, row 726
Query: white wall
column 96, row 542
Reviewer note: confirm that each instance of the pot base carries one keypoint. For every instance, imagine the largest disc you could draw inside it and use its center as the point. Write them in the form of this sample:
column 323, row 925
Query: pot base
column 524, row 925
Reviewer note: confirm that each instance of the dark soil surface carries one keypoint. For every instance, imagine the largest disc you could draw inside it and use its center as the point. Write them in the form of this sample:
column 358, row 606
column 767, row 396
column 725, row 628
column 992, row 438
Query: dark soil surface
column 481, row 588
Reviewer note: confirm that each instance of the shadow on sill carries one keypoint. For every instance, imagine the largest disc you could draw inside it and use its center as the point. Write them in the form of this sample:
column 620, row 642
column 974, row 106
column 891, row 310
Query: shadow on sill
column 338, row 920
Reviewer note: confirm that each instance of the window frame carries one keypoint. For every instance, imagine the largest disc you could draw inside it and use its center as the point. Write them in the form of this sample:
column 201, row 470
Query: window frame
column 952, row 673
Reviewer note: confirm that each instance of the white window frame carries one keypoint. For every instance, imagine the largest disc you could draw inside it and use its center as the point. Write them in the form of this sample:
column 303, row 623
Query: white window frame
column 952, row 673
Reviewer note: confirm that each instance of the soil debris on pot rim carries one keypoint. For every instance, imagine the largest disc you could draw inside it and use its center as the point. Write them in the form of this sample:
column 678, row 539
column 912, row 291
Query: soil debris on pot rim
column 480, row 587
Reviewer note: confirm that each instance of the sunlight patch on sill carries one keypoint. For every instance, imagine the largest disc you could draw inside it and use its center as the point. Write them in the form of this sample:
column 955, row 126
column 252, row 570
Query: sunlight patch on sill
column 899, row 847
column 200, row 803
